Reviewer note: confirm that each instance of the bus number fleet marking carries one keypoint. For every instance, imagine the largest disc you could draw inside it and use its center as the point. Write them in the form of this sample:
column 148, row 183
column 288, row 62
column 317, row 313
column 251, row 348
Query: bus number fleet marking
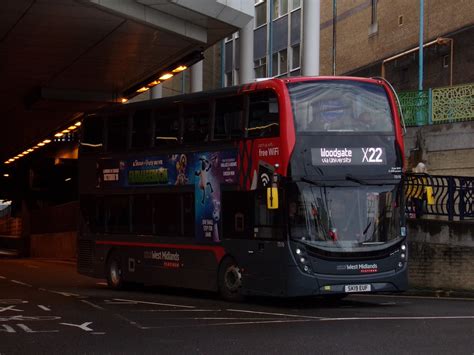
column 373, row 158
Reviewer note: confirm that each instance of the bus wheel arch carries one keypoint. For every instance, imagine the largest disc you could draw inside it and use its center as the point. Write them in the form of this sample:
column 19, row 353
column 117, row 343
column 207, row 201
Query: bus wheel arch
column 229, row 279
column 114, row 270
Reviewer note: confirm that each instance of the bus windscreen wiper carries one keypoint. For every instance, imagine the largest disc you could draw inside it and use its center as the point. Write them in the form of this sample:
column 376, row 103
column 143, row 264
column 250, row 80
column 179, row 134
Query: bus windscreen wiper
column 313, row 182
column 349, row 177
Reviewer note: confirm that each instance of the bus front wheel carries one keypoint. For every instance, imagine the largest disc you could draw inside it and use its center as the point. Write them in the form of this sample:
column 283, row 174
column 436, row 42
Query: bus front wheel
column 115, row 272
column 230, row 280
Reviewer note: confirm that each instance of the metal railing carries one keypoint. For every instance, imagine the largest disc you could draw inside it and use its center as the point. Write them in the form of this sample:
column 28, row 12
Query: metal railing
column 440, row 105
column 436, row 195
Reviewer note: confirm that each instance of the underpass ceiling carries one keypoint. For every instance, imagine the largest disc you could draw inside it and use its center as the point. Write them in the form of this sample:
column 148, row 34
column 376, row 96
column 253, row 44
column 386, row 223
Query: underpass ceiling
column 85, row 48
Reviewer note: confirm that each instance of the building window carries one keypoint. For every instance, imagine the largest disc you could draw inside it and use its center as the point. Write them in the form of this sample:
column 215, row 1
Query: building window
column 373, row 18
column 280, row 63
column 228, row 79
column 280, row 8
column 295, row 4
column 260, row 67
column 400, row 20
column 260, row 13
column 295, row 56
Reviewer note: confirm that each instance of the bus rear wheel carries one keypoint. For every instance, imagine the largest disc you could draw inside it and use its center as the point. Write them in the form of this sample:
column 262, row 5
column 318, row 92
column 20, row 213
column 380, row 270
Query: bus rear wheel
column 230, row 280
column 115, row 272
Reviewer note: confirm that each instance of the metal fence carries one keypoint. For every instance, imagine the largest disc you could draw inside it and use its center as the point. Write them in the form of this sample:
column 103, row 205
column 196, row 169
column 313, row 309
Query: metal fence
column 440, row 105
column 436, row 195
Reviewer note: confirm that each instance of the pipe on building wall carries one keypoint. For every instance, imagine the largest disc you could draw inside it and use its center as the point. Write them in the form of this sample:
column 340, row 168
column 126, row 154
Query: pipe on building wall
column 311, row 37
column 420, row 47
column 196, row 77
column 246, row 54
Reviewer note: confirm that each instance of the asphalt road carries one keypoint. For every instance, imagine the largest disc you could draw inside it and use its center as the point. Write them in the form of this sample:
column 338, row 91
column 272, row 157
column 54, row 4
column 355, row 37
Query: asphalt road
column 47, row 308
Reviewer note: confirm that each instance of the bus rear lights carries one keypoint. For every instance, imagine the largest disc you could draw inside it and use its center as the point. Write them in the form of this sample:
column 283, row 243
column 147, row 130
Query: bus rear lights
column 166, row 76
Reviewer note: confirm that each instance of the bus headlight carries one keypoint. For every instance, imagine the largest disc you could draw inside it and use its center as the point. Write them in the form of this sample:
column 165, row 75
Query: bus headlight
column 302, row 259
column 403, row 247
column 298, row 251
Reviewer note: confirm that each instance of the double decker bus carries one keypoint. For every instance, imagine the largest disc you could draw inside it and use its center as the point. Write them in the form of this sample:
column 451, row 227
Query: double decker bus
column 282, row 187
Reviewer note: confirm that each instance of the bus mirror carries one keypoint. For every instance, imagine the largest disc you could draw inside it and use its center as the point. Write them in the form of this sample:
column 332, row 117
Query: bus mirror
column 272, row 198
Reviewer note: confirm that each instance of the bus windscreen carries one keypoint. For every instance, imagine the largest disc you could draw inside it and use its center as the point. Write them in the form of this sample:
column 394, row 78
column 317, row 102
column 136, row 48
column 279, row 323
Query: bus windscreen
column 340, row 106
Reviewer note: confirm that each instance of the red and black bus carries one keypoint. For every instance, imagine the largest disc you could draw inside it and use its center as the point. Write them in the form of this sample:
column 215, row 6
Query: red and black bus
column 282, row 187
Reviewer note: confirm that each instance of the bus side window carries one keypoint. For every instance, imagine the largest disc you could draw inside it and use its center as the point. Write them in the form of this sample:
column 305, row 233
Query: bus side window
column 196, row 122
column 117, row 132
column 92, row 139
column 141, row 125
column 173, row 214
column 166, row 126
column 263, row 115
column 142, row 209
column 228, row 122
column 117, row 214
column 92, row 214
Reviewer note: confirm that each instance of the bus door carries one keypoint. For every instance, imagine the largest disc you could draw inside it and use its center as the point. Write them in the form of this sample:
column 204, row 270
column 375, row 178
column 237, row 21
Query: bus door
column 253, row 236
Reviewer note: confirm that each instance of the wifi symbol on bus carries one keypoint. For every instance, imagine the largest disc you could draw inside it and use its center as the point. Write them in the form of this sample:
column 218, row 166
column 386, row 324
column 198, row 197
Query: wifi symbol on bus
column 265, row 179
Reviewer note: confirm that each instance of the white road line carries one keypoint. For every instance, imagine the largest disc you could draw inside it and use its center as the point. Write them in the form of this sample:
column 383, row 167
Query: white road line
column 2, row 277
column 274, row 314
column 416, row 297
column 98, row 333
column 101, row 283
column 67, row 294
column 398, row 318
column 280, row 321
column 84, row 326
column 21, row 283
column 125, row 301
column 135, row 324
column 44, row 308
column 12, row 301
column 178, row 310
column 93, row 305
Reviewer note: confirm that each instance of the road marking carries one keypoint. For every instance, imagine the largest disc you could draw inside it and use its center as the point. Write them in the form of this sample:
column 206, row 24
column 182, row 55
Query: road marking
column 28, row 318
column 67, row 294
column 92, row 305
column 278, row 321
column 135, row 324
column 398, row 318
column 102, row 283
column 178, row 310
column 2, row 277
column 44, row 308
column 125, row 301
column 33, row 266
column 84, row 326
column 29, row 330
column 12, row 301
column 7, row 329
column 273, row 314
column 417, row 297
column 98, row 333
column 9, row 308
column 21, row 283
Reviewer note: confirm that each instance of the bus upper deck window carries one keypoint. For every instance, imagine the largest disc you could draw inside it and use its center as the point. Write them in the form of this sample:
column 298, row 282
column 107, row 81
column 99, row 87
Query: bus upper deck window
column 141, row 129
column 166, row 126
column 263, row 115
column 196, row 122
column 92, row 134
column 228, row 118
column 117, row 132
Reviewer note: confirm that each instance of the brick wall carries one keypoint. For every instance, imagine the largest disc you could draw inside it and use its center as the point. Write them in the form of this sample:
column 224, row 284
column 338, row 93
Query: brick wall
column 441, row 255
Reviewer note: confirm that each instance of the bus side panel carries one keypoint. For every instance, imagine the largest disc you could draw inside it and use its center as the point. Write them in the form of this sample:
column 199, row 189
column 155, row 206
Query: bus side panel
column 173, row 267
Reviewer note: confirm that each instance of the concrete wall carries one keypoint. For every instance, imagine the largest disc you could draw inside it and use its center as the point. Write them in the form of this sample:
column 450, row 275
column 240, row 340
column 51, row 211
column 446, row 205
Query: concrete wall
column 447, row 149
column 54, row 245
column 441, row 255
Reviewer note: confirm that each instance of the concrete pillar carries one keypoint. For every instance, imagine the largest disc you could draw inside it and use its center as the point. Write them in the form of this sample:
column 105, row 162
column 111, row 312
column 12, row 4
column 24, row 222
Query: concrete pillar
column 156, row 92
column 311, row 24
column 246, row 73
column 196, row 77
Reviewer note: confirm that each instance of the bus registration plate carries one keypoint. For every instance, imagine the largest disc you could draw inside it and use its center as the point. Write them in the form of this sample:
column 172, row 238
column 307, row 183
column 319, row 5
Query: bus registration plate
column 357, row 288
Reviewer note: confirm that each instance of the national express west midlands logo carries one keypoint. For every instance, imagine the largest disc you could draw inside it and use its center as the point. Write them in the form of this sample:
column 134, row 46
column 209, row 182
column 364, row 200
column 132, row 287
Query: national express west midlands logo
column 362, row 268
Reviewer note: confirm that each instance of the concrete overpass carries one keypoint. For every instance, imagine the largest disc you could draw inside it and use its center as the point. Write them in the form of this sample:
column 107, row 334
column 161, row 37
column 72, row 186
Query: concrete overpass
column 61, row 57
